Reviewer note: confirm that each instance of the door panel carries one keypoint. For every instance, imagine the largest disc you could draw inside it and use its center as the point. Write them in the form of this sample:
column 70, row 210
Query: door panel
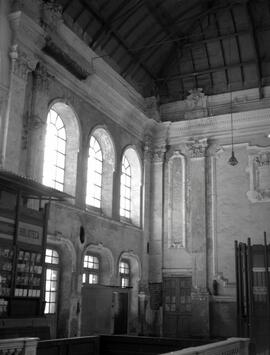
column 176, row 306
column 121, row 312
column 96, row 314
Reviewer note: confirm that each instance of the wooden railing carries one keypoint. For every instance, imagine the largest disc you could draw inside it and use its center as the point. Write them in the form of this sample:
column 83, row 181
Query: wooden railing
column 231, row 346
column 88, row 345
column 18, row 346
column 92, row 345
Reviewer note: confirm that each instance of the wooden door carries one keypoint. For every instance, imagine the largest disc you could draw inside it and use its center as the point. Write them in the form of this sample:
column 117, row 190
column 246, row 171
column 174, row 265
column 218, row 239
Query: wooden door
column 176, row 306
column 121, row 312
column 96, row 313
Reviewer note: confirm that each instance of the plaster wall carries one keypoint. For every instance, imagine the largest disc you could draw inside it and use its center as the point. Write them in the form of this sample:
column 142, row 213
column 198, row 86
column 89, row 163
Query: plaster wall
column 237, row 217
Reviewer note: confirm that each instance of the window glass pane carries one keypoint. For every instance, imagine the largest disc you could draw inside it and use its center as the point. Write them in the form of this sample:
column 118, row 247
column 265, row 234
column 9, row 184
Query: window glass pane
column 125, row 189
column 91, row 269
column 51, row 282
column 94, row 174
column 54, row 153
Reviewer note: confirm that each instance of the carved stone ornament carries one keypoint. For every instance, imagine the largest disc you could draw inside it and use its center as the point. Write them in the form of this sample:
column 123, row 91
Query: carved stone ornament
column 259, row 173
column 197, row 148
column 24, row 63
column 41, row 78
column 195, row 104
column 158, row 156
column 51, row 15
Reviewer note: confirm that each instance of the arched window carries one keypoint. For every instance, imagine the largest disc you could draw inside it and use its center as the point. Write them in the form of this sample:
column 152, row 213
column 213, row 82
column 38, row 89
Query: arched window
column 130, row 187
column 124, row 272
column 101, row 162
column 55, row 152
column 51, row 282
column 125, row 193
column 94, row 174
column 91, row 267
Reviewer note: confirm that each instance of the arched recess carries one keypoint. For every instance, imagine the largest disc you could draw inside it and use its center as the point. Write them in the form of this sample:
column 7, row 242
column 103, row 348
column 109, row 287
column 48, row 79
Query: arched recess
column 104, row 139
column 135, row 276
column 176, row 197
column 106, row 262
column 72, row 129
column 66, row 300
column 132, row 156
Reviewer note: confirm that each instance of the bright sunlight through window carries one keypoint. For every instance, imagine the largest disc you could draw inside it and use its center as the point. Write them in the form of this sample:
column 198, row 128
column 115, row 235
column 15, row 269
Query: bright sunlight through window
column 55, row 152
column 94, row 174
column 125, row 197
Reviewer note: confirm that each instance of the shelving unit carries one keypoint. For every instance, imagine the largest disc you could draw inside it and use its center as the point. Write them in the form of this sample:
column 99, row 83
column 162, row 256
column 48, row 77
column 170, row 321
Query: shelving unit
column 24, row 210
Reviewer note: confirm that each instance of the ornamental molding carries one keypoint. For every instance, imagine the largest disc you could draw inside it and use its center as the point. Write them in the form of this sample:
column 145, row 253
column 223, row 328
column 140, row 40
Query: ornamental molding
column 259, row 174
column 26, row 32
column 197, row 148
column 41, row 78
column 51, row 15
column 176, row 200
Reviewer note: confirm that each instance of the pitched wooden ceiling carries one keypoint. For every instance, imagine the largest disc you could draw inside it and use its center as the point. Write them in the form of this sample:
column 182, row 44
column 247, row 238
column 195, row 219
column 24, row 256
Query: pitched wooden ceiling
column 167, row 47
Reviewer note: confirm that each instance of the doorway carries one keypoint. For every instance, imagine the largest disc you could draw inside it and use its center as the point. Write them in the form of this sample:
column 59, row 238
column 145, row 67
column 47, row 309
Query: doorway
column 120, row 312
column 176, row 306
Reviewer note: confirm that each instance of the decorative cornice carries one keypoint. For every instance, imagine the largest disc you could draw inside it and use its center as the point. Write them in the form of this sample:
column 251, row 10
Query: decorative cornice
column 217, row 127
column 65, row 60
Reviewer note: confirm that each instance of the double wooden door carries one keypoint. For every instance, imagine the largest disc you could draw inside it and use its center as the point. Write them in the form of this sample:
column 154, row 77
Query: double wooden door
column 176, row 306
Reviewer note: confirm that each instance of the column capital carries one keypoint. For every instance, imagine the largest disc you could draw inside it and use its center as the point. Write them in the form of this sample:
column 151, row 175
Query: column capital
column 148, row 142
column 197, row 148
column 41, row 78
column 23, row 62
column 213, row 149
column 158, row 155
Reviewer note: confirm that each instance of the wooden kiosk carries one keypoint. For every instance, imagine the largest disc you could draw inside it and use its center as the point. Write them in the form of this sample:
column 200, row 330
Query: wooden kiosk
column 24, row 211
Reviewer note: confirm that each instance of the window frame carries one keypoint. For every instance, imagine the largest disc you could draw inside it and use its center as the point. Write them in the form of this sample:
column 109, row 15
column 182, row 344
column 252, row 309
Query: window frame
column 125, row 198
column 124, row 276
column 53, row 266
column 88, row 271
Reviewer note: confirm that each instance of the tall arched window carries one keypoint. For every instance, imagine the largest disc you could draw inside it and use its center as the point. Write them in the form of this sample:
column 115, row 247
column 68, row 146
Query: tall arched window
column 101, row 162
column 55, row 152
column 130, row 187
column 125, row 193
column 94, row 174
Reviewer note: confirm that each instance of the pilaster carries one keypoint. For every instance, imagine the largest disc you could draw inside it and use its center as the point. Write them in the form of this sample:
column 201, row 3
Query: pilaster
column 21, row 65
column 36, row 123
column 199, row 296
column 156, row 220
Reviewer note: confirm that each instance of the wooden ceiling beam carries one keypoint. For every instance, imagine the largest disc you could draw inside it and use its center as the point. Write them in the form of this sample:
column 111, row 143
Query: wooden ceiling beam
column 108, row 21
column 117, row 37
column 237, row 44
column 212, row 10
column 256, row 47
column 207, row 71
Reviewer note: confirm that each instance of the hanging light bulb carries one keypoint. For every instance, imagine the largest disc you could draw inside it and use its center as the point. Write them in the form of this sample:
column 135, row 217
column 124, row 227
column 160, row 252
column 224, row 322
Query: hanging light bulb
column 232, row 161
